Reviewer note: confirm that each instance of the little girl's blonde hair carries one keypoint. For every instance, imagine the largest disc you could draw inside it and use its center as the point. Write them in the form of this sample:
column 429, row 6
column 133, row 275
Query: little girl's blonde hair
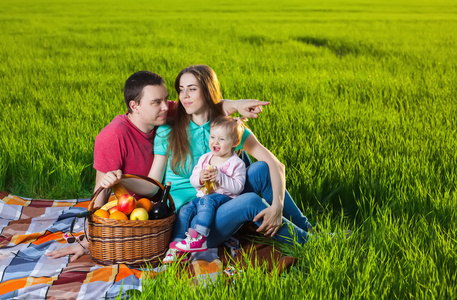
column 234, row 125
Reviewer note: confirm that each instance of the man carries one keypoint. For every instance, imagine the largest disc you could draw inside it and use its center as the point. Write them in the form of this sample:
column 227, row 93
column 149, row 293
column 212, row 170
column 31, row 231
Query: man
column 127, row 142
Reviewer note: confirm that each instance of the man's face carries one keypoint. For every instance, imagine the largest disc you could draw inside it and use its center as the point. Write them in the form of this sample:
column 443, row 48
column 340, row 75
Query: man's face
column 153, row 107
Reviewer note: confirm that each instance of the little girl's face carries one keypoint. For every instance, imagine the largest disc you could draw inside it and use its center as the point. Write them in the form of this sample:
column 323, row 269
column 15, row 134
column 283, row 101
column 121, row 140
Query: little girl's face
column 220, row 142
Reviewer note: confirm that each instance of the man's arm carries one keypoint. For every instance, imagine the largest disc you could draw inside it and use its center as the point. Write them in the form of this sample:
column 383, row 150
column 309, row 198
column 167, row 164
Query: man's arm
column 103, row 197
column 249, row 108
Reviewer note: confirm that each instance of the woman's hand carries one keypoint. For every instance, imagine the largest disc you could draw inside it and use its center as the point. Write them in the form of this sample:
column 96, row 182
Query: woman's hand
column 110, row 179
column 76, row 250
column 249, row 108
column 272, row 220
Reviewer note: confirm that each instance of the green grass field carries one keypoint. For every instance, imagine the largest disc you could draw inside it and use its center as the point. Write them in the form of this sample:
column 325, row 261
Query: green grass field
column 363, row 114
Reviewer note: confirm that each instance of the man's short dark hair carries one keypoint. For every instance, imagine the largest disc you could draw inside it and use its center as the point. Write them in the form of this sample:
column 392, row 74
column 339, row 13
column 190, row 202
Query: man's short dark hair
column 134, row 85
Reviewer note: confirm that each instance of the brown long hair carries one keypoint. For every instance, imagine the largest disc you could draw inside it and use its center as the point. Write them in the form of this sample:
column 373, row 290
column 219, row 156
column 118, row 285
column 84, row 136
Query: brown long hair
column 179, row 138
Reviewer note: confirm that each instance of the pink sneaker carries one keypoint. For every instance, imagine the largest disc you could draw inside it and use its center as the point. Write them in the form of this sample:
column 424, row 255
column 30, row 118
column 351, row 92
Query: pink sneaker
column 194, row 242
column 174, row 255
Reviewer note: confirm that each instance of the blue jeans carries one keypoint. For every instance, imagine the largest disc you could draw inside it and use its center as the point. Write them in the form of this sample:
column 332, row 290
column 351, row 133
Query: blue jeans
column 258, row 181
column 206, row 207
column 231, row 215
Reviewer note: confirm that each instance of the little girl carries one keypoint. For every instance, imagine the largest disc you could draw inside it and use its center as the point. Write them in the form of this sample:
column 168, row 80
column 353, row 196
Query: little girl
column 218, row 176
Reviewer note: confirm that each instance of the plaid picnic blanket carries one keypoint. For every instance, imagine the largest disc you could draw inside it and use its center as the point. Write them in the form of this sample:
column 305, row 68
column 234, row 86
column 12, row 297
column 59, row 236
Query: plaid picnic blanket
column 29, row 228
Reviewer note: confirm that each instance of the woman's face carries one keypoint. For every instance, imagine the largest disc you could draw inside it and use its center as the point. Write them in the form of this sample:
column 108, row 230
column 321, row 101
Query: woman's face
column 190, row 95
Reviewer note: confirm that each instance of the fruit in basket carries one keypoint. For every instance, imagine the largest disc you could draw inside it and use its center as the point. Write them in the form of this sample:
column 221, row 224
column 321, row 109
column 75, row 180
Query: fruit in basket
column 144, row 203
column 139, row 213
column 118, row 215
column 101, row 213
column 119, row 190
column 126, row 203
column 108, row 205
column 113, row 209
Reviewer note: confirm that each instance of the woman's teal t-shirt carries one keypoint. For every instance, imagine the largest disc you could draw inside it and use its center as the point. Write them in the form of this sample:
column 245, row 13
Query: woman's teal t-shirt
column 181, row 189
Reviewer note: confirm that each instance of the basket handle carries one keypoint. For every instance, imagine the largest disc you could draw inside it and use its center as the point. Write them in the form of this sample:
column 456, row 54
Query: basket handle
column 100, row 189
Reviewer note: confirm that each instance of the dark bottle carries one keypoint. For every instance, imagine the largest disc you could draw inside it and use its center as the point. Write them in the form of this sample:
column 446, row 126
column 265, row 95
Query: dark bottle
column 161, row 209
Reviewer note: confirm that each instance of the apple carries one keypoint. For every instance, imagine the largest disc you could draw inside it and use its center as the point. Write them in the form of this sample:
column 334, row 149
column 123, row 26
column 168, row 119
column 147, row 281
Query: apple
column 139, row 213
column 113, row 209
column 126, row 203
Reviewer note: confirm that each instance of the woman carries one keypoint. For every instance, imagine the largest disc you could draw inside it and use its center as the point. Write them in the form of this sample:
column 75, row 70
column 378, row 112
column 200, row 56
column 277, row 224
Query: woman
column 178, row 147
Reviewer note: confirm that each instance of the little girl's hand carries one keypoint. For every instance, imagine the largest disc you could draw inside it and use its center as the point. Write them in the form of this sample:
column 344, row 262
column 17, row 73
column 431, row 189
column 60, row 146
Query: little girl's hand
column 204, row 176
column 213, row 174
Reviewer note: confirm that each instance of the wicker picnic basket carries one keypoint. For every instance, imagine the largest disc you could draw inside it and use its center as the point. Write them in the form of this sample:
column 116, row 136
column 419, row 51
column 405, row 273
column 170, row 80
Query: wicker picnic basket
column 135, row 243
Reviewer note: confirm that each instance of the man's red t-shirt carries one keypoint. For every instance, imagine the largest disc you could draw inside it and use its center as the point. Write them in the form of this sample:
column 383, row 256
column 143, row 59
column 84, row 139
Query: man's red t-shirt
column 122, row 146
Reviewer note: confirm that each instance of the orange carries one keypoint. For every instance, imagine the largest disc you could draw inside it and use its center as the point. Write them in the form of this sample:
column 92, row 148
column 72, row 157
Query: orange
column 118, row 215
column 144, row 203
column 101, row 213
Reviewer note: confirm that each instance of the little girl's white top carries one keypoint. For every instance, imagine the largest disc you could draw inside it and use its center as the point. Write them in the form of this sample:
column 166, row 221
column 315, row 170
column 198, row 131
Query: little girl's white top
column 230, row 178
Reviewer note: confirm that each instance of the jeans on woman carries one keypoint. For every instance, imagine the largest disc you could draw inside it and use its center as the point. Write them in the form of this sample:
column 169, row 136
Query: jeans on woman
column 231, row 215
column 258, row 181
